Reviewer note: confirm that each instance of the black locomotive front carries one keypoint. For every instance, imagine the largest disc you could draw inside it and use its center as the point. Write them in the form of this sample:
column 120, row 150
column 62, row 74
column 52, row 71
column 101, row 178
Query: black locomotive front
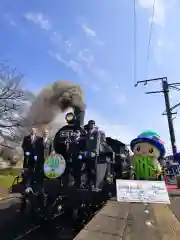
column 85, row 156
column 82, row 170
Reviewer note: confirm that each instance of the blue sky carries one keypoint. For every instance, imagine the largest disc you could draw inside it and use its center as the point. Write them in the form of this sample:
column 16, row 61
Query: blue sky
column 91, row 43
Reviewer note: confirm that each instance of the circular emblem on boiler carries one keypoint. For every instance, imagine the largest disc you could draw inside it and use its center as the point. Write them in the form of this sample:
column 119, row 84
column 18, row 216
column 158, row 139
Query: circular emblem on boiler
column 54, row 166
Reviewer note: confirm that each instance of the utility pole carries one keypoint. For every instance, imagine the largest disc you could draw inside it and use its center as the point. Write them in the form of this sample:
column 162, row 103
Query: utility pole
column 168, row 112
column 169, row 115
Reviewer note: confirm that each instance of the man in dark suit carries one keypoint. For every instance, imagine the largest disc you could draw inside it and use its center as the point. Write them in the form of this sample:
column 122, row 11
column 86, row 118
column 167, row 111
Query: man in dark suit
column 34, row 162
column 48, row 143
column 33, row 148
column 29, row 148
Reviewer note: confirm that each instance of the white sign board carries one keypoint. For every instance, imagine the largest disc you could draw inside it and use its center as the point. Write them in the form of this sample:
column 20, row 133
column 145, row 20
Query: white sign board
column 142, row 191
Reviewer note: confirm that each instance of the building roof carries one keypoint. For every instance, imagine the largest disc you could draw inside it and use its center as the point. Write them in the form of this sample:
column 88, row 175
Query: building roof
column 115, row 140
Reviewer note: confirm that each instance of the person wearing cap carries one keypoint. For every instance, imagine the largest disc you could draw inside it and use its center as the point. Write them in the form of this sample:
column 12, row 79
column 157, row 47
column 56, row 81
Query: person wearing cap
column 91, row 137
column 148, row 149
column 91, row 127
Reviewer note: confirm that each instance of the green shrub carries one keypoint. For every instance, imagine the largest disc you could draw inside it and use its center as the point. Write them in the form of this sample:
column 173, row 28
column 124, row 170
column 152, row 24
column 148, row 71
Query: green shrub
column 6, row 181
column 10, row 171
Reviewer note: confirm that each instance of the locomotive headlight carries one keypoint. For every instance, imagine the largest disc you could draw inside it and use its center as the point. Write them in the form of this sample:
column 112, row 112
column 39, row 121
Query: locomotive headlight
column 69, row 117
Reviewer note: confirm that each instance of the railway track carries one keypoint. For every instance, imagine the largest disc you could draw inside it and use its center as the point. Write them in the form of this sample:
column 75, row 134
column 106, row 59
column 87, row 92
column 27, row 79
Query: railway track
column 62, row 226
column 4, row 197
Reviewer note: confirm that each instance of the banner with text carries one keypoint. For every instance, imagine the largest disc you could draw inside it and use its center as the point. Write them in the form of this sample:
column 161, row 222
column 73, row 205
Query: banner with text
column 142, row 191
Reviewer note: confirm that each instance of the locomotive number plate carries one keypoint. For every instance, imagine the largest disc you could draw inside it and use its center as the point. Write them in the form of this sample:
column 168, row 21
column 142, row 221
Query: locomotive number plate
column 66, row 133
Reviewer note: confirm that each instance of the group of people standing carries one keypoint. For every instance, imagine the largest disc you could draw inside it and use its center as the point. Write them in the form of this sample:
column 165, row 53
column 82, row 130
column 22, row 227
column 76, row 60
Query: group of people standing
column 36, row 149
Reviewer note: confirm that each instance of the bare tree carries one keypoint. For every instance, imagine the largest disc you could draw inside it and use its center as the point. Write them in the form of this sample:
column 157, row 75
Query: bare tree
column 13, row 101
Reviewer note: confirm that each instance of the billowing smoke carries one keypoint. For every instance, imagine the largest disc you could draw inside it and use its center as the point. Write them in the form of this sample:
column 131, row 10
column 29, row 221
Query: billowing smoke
column 54, row 100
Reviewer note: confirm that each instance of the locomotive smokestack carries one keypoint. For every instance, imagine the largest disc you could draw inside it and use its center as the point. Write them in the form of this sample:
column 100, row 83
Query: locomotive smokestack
column 79, row 112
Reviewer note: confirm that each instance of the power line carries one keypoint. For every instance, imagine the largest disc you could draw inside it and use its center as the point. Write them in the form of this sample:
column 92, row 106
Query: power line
column 135, row 42
column 149, row 41
column 169, row 110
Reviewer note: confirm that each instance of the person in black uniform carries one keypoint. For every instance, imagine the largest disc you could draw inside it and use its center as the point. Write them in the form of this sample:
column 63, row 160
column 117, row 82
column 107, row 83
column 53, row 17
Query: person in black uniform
column 91, row 132
column 105, row 152
column 78, row 145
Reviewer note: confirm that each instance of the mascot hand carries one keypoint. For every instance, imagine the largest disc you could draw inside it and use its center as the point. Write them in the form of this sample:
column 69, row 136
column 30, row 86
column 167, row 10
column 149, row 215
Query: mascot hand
column 157, row 171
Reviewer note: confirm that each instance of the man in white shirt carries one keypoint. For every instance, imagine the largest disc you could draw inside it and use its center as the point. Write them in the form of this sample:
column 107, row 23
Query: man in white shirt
column 33, row 134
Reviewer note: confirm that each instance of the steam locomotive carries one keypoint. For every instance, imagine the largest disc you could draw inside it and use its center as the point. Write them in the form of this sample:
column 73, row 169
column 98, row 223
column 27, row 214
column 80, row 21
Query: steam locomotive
column 82, row 170
column 90, row 163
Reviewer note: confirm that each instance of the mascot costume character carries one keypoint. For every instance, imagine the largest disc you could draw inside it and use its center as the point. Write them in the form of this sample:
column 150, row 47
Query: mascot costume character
column 148, row 149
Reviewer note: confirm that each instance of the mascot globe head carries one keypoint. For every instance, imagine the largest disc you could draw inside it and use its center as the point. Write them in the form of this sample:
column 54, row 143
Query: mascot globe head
column 148, row 143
